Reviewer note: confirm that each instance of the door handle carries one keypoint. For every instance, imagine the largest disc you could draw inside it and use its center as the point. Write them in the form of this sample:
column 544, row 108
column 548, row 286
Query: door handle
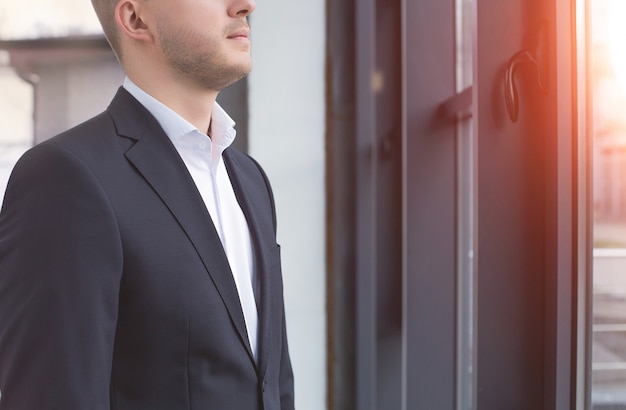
column 511, row 95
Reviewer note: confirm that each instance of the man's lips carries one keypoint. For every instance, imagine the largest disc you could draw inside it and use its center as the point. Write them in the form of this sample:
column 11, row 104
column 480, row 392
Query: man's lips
column 240, row 33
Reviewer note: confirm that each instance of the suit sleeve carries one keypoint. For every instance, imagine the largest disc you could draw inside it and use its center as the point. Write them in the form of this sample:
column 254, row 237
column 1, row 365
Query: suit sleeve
column 60, row 272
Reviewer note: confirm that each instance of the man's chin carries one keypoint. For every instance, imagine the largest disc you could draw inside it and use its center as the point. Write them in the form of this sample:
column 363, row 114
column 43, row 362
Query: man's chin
column 226, row 81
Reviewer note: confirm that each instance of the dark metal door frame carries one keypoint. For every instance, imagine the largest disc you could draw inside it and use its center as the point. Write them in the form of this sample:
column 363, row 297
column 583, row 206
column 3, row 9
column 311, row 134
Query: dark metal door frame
column 392, row 316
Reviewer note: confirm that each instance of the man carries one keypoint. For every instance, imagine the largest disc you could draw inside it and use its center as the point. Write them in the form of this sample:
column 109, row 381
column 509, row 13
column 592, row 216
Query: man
column 138, row 260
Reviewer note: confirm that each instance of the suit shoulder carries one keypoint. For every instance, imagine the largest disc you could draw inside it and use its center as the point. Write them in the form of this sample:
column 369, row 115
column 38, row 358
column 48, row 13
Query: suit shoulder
column 68, row 154
column 46, row 162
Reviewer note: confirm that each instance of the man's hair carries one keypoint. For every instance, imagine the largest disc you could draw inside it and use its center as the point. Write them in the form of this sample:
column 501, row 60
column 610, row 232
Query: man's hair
column 105, row 10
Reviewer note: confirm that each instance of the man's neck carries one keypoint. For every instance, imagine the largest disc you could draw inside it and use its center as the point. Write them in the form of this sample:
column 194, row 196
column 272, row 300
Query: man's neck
column 194, row 105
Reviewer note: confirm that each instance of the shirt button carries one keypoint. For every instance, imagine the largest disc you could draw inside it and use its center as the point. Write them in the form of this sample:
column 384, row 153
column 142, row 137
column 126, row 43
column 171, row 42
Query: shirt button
column 203, row 145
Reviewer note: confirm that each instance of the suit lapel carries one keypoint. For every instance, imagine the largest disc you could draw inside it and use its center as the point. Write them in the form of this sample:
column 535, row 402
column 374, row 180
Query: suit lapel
column 242, row 188
column 157, row 160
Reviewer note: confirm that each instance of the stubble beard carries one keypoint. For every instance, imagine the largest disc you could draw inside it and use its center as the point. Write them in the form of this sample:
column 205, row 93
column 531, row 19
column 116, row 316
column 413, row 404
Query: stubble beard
column 200, row 61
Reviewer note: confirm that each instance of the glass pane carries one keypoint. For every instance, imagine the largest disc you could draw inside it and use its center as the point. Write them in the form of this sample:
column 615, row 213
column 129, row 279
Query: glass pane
column 608, row 76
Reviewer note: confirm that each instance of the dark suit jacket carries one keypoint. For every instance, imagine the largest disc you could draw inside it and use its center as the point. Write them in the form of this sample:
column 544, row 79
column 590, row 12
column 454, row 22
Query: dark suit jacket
column 115, row 292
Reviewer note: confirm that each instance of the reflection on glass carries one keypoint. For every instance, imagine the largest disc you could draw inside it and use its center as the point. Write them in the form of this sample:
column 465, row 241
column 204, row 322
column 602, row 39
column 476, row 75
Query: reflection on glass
column 608, row 70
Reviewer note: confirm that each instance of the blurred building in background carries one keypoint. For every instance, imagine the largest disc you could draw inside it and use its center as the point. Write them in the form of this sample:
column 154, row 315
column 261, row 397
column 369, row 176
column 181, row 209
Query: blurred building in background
column 72, row 79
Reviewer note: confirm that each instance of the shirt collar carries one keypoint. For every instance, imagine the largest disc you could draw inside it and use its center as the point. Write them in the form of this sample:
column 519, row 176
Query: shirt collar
column 222, row 125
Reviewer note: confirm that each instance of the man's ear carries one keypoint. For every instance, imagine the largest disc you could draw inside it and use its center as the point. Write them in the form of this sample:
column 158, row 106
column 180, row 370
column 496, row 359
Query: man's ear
column 130, row 19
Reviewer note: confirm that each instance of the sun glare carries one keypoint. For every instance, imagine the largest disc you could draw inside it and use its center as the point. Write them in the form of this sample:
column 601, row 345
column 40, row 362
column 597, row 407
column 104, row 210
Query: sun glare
column 616, row 37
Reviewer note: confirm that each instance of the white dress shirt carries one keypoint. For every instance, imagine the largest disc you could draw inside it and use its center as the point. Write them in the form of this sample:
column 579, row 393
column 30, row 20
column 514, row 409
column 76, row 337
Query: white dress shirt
column 203, row 157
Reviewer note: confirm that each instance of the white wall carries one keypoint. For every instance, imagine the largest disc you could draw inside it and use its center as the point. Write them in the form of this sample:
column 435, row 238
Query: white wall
column 287, row 131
